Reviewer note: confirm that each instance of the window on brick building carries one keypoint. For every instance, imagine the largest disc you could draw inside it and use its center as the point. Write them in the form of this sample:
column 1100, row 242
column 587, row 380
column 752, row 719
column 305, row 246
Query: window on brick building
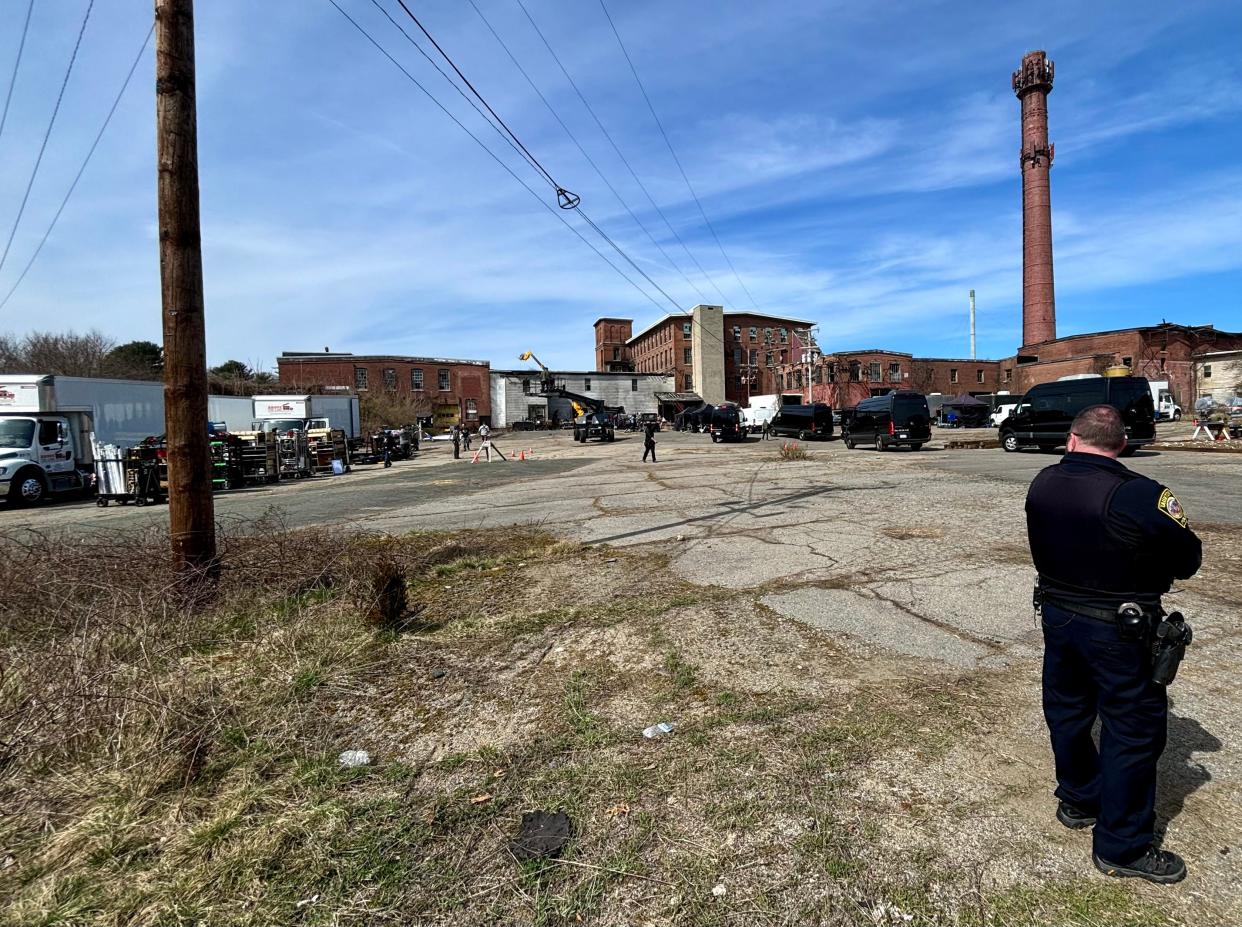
column 978, row 376
column 633, row 386
column 832, row 373
column 780, row 381
column 784, row 336
column 798, row 379
column 894, row 373
column 783, row 355
column 754, row 333
column 737, row 333
column 874, row 371
column 444, row 380
column 390, row 378
column 416, row 379
column 689, row 381
column 687, row 355
column 737, row 357
column 1008, row 374
column 855, row 371
column 754, row 357
column 360, row 378
column 1127, row 361
column 767, row 336
column 685, row 328
column 472, row 409
column 616, row 353
column 768, row 359
column 586, row 385
column 952, row 374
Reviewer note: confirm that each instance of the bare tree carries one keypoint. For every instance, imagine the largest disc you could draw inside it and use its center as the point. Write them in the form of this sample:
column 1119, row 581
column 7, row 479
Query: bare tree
column 64, row 353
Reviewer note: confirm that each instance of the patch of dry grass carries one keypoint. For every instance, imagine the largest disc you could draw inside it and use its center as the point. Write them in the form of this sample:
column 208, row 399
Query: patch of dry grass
column 163, row 767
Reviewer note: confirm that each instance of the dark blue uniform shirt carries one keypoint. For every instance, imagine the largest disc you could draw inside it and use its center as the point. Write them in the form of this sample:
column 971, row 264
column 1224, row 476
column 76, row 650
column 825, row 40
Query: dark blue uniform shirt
column 1102, row 534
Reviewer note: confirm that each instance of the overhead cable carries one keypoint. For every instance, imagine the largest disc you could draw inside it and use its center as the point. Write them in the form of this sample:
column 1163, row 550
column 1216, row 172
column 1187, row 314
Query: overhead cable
column 677, row 160
column 21, row 45
column 85, row 161
column 617, row 149
column 573, row 138
column 478, row 141
column 46, row 135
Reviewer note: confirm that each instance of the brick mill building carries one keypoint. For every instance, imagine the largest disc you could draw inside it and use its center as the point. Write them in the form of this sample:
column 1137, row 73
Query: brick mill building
column 454, row 391
column 709, row 353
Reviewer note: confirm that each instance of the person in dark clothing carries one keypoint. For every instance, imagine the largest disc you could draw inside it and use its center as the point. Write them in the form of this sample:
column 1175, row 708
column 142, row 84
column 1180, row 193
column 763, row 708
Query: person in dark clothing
column 1102, row 535
column 456, row 443
column 767, row 430
column 649, row 442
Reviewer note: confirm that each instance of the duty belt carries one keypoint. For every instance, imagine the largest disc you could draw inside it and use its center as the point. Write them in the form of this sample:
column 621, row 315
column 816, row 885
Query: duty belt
column 1150, row 611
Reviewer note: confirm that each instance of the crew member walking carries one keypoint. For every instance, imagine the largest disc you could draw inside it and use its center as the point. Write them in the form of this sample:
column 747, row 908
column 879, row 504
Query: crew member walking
column 1107, row 543
column 456, row 443
column 649, row 442
column 767, row 429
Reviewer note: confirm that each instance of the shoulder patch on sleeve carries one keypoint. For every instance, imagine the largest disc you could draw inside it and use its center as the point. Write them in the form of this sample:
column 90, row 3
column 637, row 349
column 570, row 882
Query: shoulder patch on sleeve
column 1169, row 505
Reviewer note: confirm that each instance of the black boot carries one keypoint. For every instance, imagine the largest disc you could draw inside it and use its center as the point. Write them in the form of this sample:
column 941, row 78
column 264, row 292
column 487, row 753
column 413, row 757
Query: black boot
column 1158, row 866
column 1074, row 817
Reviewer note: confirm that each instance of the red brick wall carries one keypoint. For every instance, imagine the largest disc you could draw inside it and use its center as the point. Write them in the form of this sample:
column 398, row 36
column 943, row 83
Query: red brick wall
column 661, row 349
column 610, row 338
column 466, row 381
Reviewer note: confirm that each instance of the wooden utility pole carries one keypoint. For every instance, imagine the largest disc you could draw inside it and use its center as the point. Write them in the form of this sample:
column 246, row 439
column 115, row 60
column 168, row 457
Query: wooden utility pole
column 190, row 505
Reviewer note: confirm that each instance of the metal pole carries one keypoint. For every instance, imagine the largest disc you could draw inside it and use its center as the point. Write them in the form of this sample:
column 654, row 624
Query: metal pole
column 191, row 508
column 972, row 324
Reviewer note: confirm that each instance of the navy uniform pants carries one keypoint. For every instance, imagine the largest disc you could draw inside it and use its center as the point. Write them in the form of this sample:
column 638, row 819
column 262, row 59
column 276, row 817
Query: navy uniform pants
column 1090, row 671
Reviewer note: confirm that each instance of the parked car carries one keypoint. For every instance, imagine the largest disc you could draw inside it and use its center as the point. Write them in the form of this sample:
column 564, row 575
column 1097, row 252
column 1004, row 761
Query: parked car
column 805, row 422
column 726, row 424
column 899, row 419
column 1042, row 419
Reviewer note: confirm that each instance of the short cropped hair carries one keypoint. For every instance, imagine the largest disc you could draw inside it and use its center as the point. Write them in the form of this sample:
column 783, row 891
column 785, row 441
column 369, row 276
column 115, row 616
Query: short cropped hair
column 1100, row 427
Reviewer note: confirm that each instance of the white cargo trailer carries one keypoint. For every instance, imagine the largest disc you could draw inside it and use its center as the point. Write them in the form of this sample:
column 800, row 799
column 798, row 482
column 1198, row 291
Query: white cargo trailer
column 235, row 413
column 307, row 413
column 46, row 423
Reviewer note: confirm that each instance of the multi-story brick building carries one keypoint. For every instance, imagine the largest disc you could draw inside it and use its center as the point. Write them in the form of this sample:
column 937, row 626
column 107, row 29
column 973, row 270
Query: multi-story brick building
column 454, row 390
column 716, row 354
column 843, row 378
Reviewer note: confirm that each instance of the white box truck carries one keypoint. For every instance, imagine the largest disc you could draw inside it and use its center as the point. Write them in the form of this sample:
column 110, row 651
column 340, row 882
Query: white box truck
column 46, row 424
column 307, row 413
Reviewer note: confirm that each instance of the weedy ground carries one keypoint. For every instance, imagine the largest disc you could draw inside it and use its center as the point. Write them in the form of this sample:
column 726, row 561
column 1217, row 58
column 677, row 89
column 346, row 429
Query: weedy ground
column 169, row 757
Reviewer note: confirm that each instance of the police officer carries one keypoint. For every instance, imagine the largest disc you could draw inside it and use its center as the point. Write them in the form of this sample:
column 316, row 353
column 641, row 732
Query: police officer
column 1102, row 536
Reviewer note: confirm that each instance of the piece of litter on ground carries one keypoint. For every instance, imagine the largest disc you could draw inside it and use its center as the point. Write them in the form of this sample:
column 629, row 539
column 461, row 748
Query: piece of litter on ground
column 481, row 799
column 617, row 811
column 352, row 758
column 664, row 727
column 718, row 890
column 305, row 901
column 541, row 834
column 611, row 560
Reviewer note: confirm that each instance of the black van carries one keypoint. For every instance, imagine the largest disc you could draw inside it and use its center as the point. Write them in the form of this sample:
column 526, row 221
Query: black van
column 803, row 422
column 1042, row 419
column 898, row 418
column 726, row 424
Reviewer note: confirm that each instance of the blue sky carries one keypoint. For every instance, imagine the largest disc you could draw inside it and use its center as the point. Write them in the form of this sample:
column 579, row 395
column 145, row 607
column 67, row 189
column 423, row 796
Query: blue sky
column 859, row 162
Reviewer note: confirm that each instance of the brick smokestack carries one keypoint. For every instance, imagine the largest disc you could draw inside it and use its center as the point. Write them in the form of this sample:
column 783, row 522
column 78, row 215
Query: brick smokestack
column 1032, row 83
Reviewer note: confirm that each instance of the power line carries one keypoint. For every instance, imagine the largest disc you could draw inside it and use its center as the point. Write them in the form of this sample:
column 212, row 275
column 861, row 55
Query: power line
column 478, row 141
column 85, row 161
column 624, row 160
column 677, row 160
column 530, row 158
column 583, row 151
column 517, row 144
column 16, row 64
column 509, row 139
column 46, row 135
